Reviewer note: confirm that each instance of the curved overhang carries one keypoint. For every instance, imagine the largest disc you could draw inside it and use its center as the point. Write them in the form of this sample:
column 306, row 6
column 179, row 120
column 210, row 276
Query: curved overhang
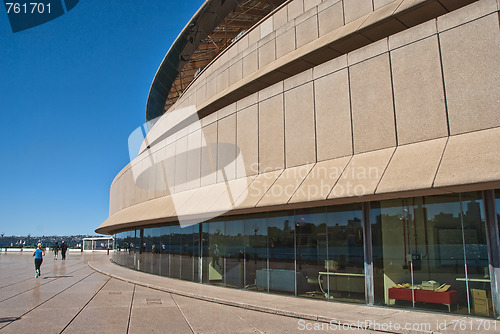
column 216, row 25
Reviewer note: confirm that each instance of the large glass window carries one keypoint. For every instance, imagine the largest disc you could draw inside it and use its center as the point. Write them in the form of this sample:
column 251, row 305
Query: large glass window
column 342, row 277
column 234, row 252
column 430, row 252
column 311, row 250
column 256, row 252
column 281, row 253
column 216, row 252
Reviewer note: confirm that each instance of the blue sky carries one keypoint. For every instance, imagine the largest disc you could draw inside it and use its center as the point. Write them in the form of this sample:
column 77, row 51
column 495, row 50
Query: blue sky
column 71, row 92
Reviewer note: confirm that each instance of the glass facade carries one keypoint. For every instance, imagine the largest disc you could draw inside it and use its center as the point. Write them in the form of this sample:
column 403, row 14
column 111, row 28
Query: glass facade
column 428, row 252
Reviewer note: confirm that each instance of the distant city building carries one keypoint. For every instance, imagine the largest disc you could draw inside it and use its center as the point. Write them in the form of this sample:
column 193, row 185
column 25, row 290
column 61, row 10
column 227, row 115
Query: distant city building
column 333, row 150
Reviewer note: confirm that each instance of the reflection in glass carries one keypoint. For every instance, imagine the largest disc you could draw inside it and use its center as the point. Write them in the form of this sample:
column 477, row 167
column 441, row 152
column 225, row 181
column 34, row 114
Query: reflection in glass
column 281, row 252
column 256, row 252
column 345, row 253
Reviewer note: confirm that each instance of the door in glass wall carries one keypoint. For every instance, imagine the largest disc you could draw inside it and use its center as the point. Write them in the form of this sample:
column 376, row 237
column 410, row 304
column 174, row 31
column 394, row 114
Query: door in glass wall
column 342, row 276
column 234, row 252
column 256, row 252
column 430, row 252
column 281, row 253
column 216, row 252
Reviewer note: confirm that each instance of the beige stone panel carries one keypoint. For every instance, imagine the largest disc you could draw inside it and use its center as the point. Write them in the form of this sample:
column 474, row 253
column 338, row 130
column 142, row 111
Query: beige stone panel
column 285, row 43
column 226, row 111
column 236, row 72
column 160, row 175
column 229, row 195
column 418, row 92
column 197, row 200
column 257, row 188
column 471, row 73
column 170, row 167
column 181, row 165
column 331, row 18
column 253, row 36
column 222, row 81
column 372, row 106
column 413, row 34
column 210, row 90
column 232, row 53
column 280, row 18
column 248, row 140
column 209, row 155
column 466, row 14
column 285, row 186
column 247, row 101
column 226, row 152
column 300, row 136
column 151, row 177
column 271, row 91
column 271, row 134
column 209, row 119
column 330, row 66
column 372, row 50
column 320, row 181
column 470, row 158
column 307, row 31
column 242, row 43
column 266, row 27
column 413, row 166
column 194, row 159
column 180, row 201
column 295, row 8
column 308, row 4
column 362, row 174
column 381, row 3
column 333, row 115
column 250, row 63
column 298, row 79
column 267, row 53
column 354, row 9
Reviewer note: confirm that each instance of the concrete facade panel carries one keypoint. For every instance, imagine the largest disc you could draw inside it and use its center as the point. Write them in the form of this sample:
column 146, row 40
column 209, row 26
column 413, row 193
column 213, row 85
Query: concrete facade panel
column 418, row 92
column 307, row 31
column 372, row 105
column 354, row 9
column 271, row 134
column 209, row 156
column 333, row 115
column 248, row 140
column 300, row 134
column 226, row 153
column 331, row 18
column 285, row 43
column 472, row 79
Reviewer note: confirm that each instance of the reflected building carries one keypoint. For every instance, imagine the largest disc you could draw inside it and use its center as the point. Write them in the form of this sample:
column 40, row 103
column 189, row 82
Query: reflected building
column 334, row 150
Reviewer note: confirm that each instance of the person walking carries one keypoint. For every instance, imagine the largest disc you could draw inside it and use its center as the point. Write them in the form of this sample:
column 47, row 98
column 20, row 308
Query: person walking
column 56, row 250
column 39, row 253
column 64, row 248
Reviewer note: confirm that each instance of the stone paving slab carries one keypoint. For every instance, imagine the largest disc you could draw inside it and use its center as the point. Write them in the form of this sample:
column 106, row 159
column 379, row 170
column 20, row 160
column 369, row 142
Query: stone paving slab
column 382, row 319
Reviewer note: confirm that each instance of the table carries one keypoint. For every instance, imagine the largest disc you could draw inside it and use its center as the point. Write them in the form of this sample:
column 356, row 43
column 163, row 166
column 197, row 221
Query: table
column 348, row 282
column 447, row 298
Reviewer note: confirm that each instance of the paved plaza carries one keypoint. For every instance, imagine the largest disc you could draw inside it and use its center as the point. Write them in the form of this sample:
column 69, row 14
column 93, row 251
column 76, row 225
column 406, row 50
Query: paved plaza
column 87, row 293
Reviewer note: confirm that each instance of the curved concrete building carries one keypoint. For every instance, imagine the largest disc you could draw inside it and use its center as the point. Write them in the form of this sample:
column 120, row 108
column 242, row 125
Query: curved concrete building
column 339, row 149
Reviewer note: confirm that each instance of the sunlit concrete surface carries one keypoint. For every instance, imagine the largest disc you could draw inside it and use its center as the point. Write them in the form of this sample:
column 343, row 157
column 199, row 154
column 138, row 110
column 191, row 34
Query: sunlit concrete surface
column 70, row 297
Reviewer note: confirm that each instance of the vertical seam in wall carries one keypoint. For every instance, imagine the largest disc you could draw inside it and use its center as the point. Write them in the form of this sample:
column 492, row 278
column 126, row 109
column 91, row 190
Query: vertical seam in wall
column 258, row 136
column 350, row 107
column 283, row 108
column 440, row 160
column 442, row 80
column 389, row 53
column 343, row 12
column 315, row 122
column 385, row 169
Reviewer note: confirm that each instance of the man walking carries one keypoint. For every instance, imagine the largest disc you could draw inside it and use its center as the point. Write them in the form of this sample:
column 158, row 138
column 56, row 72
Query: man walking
column 64, row 248
column 56, row 250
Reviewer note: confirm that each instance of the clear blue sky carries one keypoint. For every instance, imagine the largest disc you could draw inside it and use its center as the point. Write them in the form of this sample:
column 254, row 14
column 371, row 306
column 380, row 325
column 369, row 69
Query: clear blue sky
column 71, row 92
